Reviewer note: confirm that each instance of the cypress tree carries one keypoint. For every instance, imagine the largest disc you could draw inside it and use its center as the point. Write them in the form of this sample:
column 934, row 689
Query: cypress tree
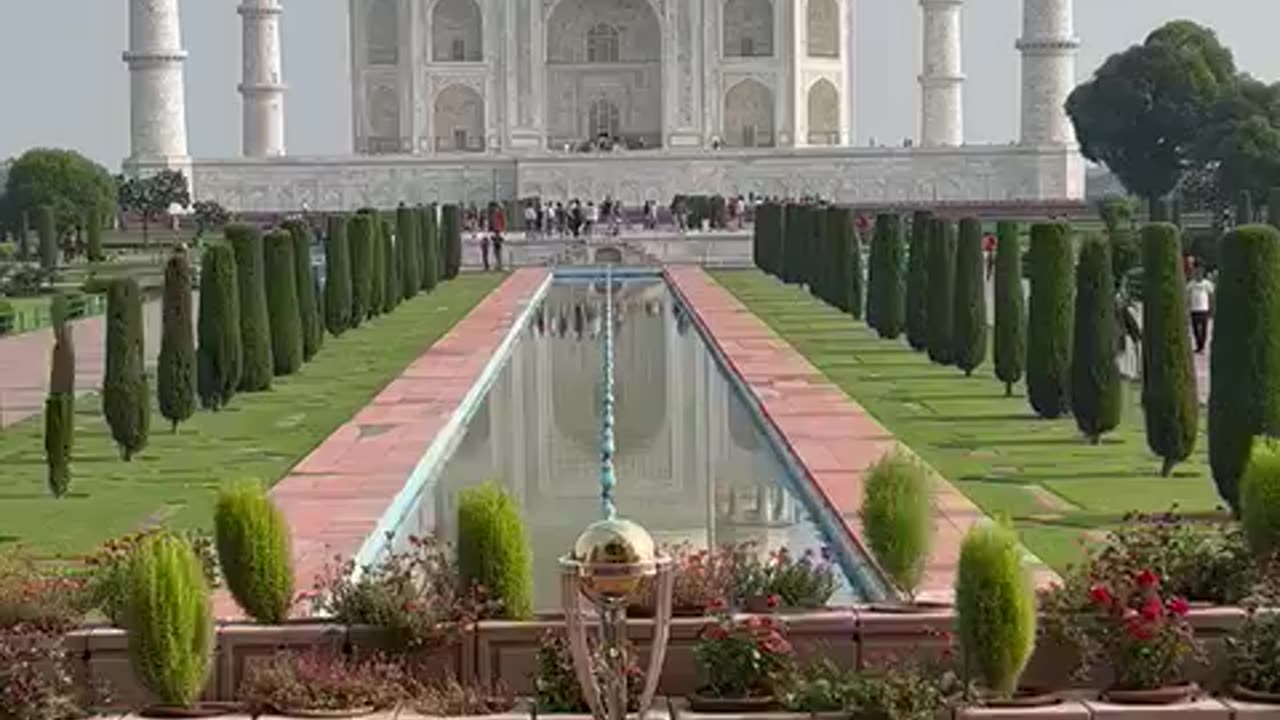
column 126, row 398
column 93, row 226
column 1244, row 368
column 1011, row 312
column 942, row 284
column 255, row 321
column 852, row 279
column 430, row 249
column 408, row 243
column 875, row 277
column 1169, row 397
column 60, row 406
column 888, row 284
column 47, row 231
column 282, row 304
column 308, row 313
column 969, row 343
column 391, row 275
column 360, row 236
column 378, row 267
column 793, row 251
column 918, row 283
column 451, row 240
column 176, row 367
column 1049, row 320
column 220, row 354
column 1095, row 376
column 338, row 298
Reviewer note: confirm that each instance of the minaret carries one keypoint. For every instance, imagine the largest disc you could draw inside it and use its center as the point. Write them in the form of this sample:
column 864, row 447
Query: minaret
column 262, row 88
column 942, row 75
column 1049, row 48
column 157, row 99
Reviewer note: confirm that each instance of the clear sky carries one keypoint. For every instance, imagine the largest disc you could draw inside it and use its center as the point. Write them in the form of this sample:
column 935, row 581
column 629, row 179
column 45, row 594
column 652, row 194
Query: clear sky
column 65, row 84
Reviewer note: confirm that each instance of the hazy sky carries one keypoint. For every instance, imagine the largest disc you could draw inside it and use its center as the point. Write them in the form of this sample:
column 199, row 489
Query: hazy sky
column 65, row 84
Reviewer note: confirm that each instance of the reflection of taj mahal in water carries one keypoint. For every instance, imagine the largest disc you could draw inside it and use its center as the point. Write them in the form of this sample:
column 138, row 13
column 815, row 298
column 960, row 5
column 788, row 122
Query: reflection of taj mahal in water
column 692, row 464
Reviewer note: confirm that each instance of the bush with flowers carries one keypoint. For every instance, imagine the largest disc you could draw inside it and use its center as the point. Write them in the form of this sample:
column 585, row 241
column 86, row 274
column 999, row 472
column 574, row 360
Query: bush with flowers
column 804, row 582
column 742, row 658
column 321, row 680
column 556, row 680
column 1255, row 654
column 1130, row 625
column 700, row 576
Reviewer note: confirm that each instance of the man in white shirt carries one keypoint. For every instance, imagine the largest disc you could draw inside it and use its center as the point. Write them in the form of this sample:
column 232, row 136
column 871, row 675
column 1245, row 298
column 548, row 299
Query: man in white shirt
column 1200, row 302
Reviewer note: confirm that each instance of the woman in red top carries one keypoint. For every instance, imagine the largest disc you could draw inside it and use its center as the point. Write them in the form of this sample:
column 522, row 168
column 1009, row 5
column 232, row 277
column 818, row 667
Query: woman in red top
column 989, row 247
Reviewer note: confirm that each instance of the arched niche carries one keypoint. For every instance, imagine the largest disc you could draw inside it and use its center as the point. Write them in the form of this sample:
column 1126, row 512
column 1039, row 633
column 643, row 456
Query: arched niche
column 748, row 115
column 457, row 31
column 458, row 119
column 747, row 28
column 824, row 113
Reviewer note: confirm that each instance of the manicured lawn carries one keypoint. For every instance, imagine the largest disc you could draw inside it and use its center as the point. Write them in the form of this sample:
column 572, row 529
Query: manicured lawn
column 258, row 436
column 1040, row 473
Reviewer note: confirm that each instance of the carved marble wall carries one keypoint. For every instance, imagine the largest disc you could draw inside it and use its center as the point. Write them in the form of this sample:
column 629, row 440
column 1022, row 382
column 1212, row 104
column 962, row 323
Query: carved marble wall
column 824, row 113
column 822, row 18
column 457, row 31
column 748, row 115
column 748, row 28
column 383, row 32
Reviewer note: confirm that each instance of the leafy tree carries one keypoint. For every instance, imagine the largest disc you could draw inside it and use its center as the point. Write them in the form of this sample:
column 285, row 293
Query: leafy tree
column 308, row 314
column 1143, row 110
column 1244, row 368
column 152, row 196
column 64, row 180
column 942, row 284
column 408, row 243
column 1169, row 397
column 282, row 303
column 60, row 406
column 1095, row 376
column 221, row 353
column 47, row 230
column 969, row 341
column 1240, row 139
column 918, row 282
column 209, row 216
column 93, row 226
column 1049, row 321
column 126, row 398
column 255, row 322
column 176, row 367
column 337, row 285
column 1011, row 312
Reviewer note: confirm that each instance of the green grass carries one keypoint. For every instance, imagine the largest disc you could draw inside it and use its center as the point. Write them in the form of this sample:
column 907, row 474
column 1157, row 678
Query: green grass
column 1040, row 473
column 176, row 478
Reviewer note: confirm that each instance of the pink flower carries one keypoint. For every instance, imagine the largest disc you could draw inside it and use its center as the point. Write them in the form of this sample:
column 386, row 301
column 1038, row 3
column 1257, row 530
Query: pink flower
column 1179, row 606
column 772, row 601
column 1147, row 579
column 1152, row 610
column 716, row 605
column 1101, row 596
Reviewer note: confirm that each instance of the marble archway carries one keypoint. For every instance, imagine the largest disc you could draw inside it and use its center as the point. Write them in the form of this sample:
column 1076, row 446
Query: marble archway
column 604, row 51
column 748, row 115
column 824, row 113
column 458, row 119
column 747, row 28
column 457, row 31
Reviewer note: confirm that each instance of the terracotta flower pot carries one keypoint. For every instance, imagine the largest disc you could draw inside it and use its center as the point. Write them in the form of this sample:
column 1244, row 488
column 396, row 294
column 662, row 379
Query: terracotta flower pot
column 706, row 704
column 344, row 713
column 1028, row 697
column 1255, row 696
column 199, row 710
column 1168, row 695
column 908, row 608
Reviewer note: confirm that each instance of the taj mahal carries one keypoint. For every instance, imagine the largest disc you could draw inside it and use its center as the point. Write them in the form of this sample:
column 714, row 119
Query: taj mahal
column 478, row 100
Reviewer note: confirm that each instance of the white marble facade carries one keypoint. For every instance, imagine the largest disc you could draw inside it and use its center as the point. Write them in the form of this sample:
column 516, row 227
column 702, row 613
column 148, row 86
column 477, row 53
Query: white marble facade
column 434, row 76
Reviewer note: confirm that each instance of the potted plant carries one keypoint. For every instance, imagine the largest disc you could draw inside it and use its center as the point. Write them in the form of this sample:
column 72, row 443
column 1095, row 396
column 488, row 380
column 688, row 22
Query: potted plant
column 322, row 684
column 557, row 691
column 701, row 576
column 1141, row 633
column 897, row 519
column 1255, row 659
column 781, row 581
column 742, row 662
column 451, row 699
column 821, row 689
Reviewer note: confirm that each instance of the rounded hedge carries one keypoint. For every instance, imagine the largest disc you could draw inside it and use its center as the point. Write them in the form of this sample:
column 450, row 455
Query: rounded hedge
column 220, row 354
column 60, row 406
column 493, row 548
column 897, row 518
column 887, row 265
column 1095, row 377
column 430, row 249
column 408, row 243
column 304, row 280
column 451, row 240
column 918, row 282
column 126, row 396
column 176, row 366
column 995, row 608
column 338, row 299
column 1049, row 321
column 360, row 237
column 969, row 340
column 1010, row 346
column 282, row 304
column 255, row 322
column 1170, row 402
column 252, row 538
column 942, row 290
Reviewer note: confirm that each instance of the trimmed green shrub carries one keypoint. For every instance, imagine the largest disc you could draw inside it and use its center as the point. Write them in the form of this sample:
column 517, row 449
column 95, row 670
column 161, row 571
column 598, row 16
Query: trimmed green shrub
column 1095, row 377
column 255, row 322
column 942, row 290
column 176, row 366
column 493, row 548
column 430, row 249
column 1049, row 321
column 126, row 398
column 60, row 406
column 451, row 240
column 1169, row 398
column 1260, row 499
column 360, row 235
column 1244, row 368
column 252, row 538
column 378, row 266
column 338, row 299
column 897, row 517
column 308, row 314
column 995, row 608
column 969, row 341
column 220, row 353
column 167, row 614
column 93, row 240
column 918, row 283
column 47, row 231
column 1011, row 313
column 282, row 304
column 391, row 275
column 409, row 243
column 793, row 250
column 887, row 265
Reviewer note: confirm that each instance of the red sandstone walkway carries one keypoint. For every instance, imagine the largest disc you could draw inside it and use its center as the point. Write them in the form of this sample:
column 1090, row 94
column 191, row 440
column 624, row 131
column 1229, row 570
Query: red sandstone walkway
column 333, row 499
column 829, row 433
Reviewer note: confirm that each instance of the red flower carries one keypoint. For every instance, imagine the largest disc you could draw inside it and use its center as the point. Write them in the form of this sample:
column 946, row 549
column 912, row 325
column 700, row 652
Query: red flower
column 1147, row 579
column 1178, row 606
column 1152, row 610
column 714, row 631
column 716, row 605
column 772, row 601
column 1101, row 596
column 1138, row 630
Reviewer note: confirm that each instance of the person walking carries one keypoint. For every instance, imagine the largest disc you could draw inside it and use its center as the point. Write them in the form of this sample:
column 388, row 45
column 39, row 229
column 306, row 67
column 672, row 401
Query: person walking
column 484, row 250
column 989, row 249
column 498, row 226
column 1200, row 301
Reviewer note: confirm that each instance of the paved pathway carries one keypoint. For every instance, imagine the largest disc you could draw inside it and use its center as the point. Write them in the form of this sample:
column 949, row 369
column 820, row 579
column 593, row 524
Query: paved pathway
column 833, row 437
column 333, row 499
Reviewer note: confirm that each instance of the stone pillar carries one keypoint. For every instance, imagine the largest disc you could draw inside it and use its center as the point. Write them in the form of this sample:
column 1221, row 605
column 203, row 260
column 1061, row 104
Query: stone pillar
column 1048, row 48
column 262, row 88
column 942, row 75
column 157, row 99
